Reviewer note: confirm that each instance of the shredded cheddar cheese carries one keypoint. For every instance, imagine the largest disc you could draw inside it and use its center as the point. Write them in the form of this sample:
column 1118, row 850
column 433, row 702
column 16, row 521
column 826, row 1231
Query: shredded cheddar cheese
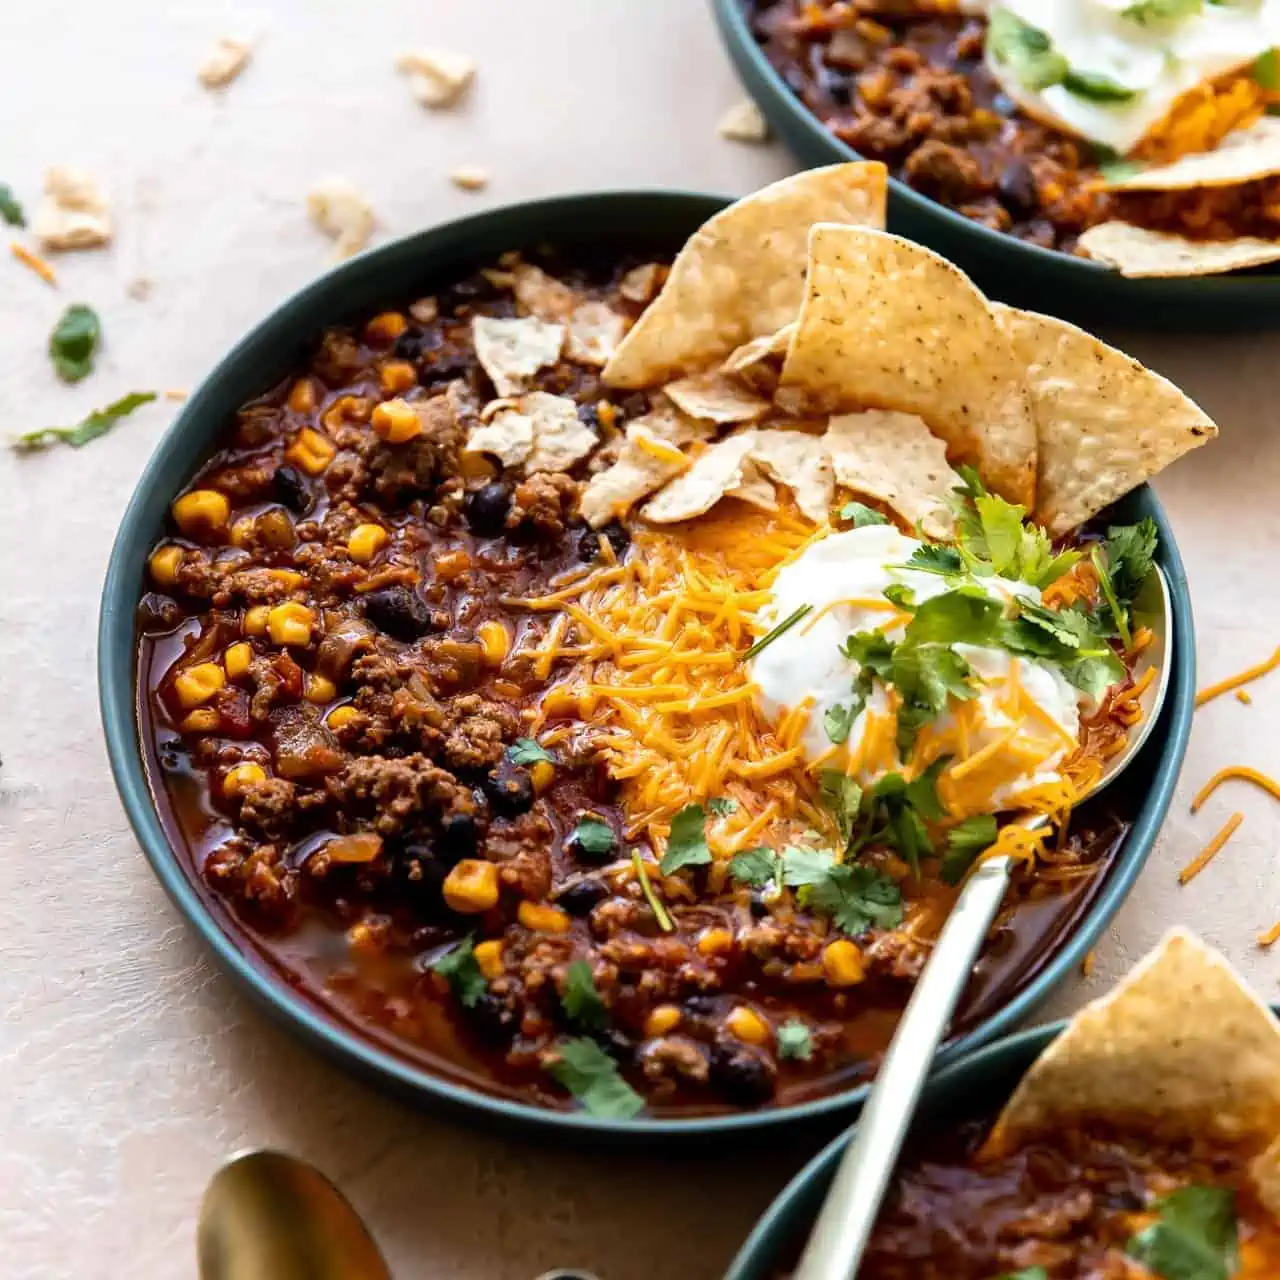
column 1258, row 670
column 1210, row 851
column 1269, row 785
column 34, row 262
column 1271, row 936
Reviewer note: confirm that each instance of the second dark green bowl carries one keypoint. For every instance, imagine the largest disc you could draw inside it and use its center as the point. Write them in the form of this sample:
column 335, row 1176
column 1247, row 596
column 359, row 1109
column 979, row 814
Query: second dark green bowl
column 636, row 221
column 1022, row 274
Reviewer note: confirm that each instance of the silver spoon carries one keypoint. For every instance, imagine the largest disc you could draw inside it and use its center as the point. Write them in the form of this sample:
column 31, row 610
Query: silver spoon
column 844, row 1223
column 270, row 1216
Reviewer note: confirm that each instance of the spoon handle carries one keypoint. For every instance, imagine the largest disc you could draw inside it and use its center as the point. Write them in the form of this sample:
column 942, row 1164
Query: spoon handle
column 844, row 1224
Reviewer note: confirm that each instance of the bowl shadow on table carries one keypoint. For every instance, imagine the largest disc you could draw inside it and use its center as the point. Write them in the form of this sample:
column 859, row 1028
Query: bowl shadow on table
column 436, row 1191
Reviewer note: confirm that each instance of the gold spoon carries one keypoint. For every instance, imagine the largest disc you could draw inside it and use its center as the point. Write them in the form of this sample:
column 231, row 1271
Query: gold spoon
column 270, row 1216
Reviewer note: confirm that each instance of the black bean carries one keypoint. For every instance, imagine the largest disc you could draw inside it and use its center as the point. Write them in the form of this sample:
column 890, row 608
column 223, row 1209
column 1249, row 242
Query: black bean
column 1017, row 187
column 422, row 875
column 759, row 907
column 700, row 1006
column 487, row 509
column 589, row 416
column 493, row 1020
column 290, row 486
column 581, row 897
column 742, row 1077
column 1003, row 105
column 398, row 611
column 589, row 541
column 459, row 838
column 510, row 791
column 158, row 613
column 434, row 369
column 413, row 344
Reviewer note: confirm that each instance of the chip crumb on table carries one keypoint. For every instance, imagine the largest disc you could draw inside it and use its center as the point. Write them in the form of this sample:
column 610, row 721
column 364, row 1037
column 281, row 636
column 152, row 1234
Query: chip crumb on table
column 470, row 177
column 73, row 214
column 345, row 215
column 743, row 122
column 224, row 62
column 438, row 77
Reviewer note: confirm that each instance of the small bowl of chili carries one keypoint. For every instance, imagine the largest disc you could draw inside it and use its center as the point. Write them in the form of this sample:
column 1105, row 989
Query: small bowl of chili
column 982, row 173
column 1014, row 1171
column 468, row 772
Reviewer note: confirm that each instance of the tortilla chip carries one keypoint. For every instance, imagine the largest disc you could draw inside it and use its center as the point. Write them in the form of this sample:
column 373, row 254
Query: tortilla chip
column 1265, row 1172
column 508, row 436
column 640, row 471
column 560, row 437
column 741, row 274
column 716, row 398
column 640, row 284
column 888, row 324
column 595, row 330
column 1137, row 252
column 1243, row 156
column 721, row 468
column 756, row 488
column 1181, row 1045
column 1105, row 423
column 758, row 350
column 542, row 295
column 801, row 462
column 512, row 351
column 895, row 459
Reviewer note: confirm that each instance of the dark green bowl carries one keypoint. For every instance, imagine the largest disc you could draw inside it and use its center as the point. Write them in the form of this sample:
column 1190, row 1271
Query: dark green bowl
column 1022, row 274
column 404, row 269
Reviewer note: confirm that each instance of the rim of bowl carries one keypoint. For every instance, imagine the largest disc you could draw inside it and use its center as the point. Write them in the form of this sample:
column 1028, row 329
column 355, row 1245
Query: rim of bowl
column 300, row 317
column 1021, row 254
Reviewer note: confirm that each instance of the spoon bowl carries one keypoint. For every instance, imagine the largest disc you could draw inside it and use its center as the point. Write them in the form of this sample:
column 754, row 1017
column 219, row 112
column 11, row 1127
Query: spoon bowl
column 844, row 1223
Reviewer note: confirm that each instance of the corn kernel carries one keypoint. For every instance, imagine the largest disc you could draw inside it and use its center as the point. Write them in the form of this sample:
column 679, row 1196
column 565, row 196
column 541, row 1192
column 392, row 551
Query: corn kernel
column 472, row 886
column 542, row 919
column 164, row 564
column 489, row 958
column 237, row 658
column 255, row 620
column 715, row 942
column 541, row 773
column 476, row 466
column 242, row 532
column 238, row 779
column 366, row 541
column 559, row 702
column 196, row 685
column 747, row 1025
column 396, row 421
column 302, row 396
column 494, row 641
column 842, row 963
column 385, row 327
column 310, row 451
column 291, row 579
column 202, row 511
column 587, row 704
column 340, row 716
column 451, row 565
column 202, row 720
column 346, row 409
column 666, row 1017
column 290, row 623
column 396, row 376
column 318, row 688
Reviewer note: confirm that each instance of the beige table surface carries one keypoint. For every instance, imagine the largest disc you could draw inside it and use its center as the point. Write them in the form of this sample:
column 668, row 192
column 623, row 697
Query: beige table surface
column 128, row 1066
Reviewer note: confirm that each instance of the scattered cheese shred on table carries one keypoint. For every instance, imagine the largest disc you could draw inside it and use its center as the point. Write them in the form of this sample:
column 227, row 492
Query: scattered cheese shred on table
column 1270, row 785
column 1234, row 682
column 1242, row 695
column 34, row 262
column 1271, row 935
column 1207, row 854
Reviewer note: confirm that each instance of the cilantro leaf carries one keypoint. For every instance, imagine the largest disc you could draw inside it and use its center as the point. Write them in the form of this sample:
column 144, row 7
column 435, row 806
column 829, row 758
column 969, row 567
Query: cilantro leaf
column 757, row 867
column 1266, row 69
column 594, row 838
column 10, row 209
column 806, row 866
column 935, row 557
column 1131, row 553
column 1095, row 675
column 1194, row 1237
column 837, row 722
column 964, row 615
column 74, row 341
column 1147, row 12
column 1027, row 51
column 588, row 1073
column 842, row 797
column 98, row 423
column 1118, row 613
column 900, row 594
column 527, row 751
column 965, row 841
column 795, row 1041
column 871, row 651
column 1071, row 627
column 721, row 806
column 861, row 515
column 856, row 898
column 687, row 844
column 1027, row 1273
column 921, row 793
column 1097, row 87
column 925, row 676
column 581, row 1000
column 458, row 966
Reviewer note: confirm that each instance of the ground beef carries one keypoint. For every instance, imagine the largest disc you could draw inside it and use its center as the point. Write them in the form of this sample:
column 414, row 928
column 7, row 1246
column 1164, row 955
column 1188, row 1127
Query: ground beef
column 477, row 730
column 397, row 472
column 944, row 172
column 396, row 794
column 339, row 359
column 544, row 504
column 269, row 806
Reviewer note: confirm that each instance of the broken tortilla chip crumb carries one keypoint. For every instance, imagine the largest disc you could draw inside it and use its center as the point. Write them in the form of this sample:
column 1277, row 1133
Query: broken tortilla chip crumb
column 642, row 283
column 722, row 467
column 801, row 462
column 511, row 351
column 714, row 397
column 1137, row 252
column 595, row 330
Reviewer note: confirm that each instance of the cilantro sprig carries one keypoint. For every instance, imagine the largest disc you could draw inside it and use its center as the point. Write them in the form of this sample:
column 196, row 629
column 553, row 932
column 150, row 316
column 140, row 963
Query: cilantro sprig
column 795, row 1041
column 687, row 843
column 592, row 1076
column 98, row 423
column 10, row 210
column 581, row 1000
column 74, row 342
column 1194, row 1237
column 459, row 968
column 527, row 751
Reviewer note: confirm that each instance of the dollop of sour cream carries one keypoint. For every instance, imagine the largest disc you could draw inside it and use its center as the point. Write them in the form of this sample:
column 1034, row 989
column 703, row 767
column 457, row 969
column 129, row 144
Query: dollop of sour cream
column 1157, row 60
column 844, row 577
